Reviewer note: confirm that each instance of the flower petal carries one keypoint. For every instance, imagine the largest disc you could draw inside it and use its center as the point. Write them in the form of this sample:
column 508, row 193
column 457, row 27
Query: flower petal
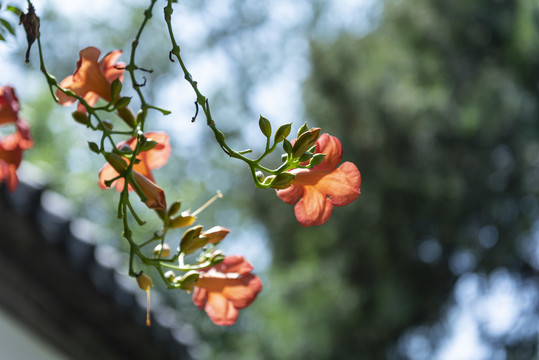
column 314, row 208
column 341, row 185
column 221, row 311
column 291, row 194
column 159, row 155
column 243, row 291
column 331, row 146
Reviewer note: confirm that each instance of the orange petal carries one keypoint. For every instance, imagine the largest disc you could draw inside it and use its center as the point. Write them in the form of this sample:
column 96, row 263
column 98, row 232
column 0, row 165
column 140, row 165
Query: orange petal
column 200, row 296
column 221, row 311
column 244, row 291
column 331, row 146
column 63, row 99
column 155, row 196
column 235, row 264
column 108, row 63
column 341, row 185
column 291, row 194
column 314, row 208
column 159, row 155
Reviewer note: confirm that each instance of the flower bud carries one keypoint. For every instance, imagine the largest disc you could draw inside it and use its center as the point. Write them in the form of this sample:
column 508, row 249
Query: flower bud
column 93, row 147
column 192, row 241
column 127, row 116
column 123, row 102
column 188, row 280
column 215, row 234
column 105, row 124
column 302, row 129
column 182, row 220
column 155, row 196
column 217, row 257
column 173, row 209
column 115, row 89
column 80, row 117
column 259, row 176
column 282, row 181
column 282, row 132
column 317, row 159
column 305, row 142
column 117, row 162
column 161, row 250
column 287, row 146
column 265, row 126
column 144, row 281
column 170, row 276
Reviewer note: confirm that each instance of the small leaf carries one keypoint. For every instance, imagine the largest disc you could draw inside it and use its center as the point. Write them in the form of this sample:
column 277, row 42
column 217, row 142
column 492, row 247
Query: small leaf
column 8, row 26
column 14, row 10
column 2, row 38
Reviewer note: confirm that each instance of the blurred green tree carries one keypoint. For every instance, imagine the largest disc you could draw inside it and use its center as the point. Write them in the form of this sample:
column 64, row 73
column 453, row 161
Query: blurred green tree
column 438, row 107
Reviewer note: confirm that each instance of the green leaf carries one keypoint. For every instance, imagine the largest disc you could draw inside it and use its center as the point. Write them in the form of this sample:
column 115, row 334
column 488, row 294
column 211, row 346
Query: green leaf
column 14, row 10
column 8, row 26
column 2, row 38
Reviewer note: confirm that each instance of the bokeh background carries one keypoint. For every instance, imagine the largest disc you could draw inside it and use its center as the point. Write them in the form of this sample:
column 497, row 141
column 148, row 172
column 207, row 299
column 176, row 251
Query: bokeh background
column 435, row 101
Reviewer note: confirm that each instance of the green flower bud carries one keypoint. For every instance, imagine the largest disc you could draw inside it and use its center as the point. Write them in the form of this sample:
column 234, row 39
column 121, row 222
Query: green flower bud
column 93, row 146
column 174, row 208
column 127, row 116
column 192, row 241
column 265, row 126
column 282, row 132
column 123, row 102
column 282, row 181
column 188, row 280
column 170, row 276
column 287, row 146
column 161, row 251
column 115, row 89
column 302, row 129
column 148, row 145
column 117, row 162
column 317, row 159
column 105, row 124
column 80, row 117
column 217, row 257
column 259, row 176
column 305, row 142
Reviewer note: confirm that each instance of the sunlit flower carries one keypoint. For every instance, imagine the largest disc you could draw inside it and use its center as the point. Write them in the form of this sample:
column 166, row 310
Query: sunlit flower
column 9, row 105
column 215, row 234
column 11, row 148
column 149, row 160
column 92, row 79
column 225, row 288
column 324, row 186
column 155, row 196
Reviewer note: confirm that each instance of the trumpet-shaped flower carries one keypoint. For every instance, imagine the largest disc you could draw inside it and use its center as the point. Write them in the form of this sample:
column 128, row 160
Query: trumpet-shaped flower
column 15, row 141
column 149, row 160
column 9, row 105
column 11, row 149
column 324, row 186
column 155, row 196
column 92, row 78
column 225, row 288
